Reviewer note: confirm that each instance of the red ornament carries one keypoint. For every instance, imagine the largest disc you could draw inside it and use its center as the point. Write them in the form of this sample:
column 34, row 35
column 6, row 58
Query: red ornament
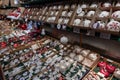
column 110, row 68
column 105, row 72
column 15, row 45
column 61, row 78
column 23, row 26
column 10, row 40
column 22, row 38
column 102, row 64
column 3, row 44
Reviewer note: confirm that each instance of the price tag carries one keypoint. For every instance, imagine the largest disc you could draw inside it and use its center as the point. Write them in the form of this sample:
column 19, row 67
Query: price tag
column 105, row 35
column 91, row 33
column 76, row 30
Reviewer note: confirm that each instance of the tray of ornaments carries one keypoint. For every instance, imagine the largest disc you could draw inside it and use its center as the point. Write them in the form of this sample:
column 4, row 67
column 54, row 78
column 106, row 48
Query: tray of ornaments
column 11, row 60
column 68, row 50
column 4, row 51
column 25, row 75
column 69, row 68
column 18, row 42
column 57, row 67
column 30, row 44
column 91, row 59
column 65, row 51
column 25, row 57
column 19, row 48
column 84, row 56
column 76, row 71
column 10, row 64
column 35, row 65
column 105, row 68
column 14, row 71
column 7, row 59
column 93, row 76
column 39, row 67
column 49, row 74
column 44, row 52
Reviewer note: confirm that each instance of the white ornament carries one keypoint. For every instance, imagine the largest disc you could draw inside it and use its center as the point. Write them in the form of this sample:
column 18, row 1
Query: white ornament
column 64, row 40
column 43, row 31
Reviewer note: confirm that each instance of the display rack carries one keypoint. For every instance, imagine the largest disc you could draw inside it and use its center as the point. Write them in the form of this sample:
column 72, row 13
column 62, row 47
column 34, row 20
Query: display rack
column 70, row 15
column 24, row 60
column 54, row 13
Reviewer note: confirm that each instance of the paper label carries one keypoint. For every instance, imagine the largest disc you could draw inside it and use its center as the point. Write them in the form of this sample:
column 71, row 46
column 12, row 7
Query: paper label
column 91, row 33
column 105, row 35
column 76, row 30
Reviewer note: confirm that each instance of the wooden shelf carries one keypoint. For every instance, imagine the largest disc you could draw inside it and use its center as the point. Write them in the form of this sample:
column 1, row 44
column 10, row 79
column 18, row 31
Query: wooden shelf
column 51, row 22
column 91, row 17
column 79, row 16
column 52, row 16
column 81, row 27
column 75, row 16
column 105, row 8
column 65, row 16
column 106, row 31
column 116, row 8
column 91, row 8
column 54, row 9
column 102, row 18
column 117, row 19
